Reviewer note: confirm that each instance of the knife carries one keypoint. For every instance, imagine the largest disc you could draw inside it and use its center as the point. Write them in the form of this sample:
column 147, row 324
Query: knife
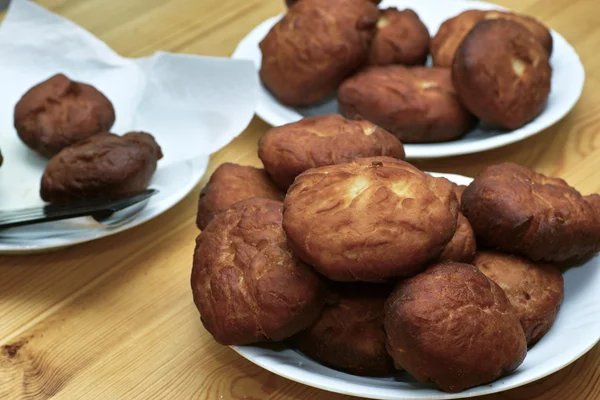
column 98, row 209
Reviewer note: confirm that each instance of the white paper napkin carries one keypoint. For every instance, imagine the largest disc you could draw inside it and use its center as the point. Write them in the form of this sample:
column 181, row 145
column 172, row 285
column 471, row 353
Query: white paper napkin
column 193, row 105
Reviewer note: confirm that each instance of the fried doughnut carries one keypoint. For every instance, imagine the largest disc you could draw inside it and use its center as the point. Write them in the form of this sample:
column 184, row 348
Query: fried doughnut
column 401, row 38
column 246, row 283
column 453, row 326
column 369, row 220
column 59, row 112
column 458, row 191
column 288, row 150
column 541, row 32
column 102, row 166
column 452, row 32
column 229, row 184
column 535, row 290
column 418, row 104
column 516, row 210
column 594, row 201
column 349, row 335
column 316, row 45
column 502, row 74
column 449, row 36
column 462, row 247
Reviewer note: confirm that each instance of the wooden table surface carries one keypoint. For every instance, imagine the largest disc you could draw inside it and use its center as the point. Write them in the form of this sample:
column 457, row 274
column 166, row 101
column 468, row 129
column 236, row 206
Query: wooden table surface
column 114, row 319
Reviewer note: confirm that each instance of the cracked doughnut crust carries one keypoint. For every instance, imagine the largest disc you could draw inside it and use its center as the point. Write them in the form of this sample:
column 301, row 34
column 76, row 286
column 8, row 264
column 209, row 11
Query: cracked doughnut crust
column 288, row 150
column 453, row 326
column 369, row 220
column 516, row 210
column 535, row 290
column 229, row 184
column 246, row 283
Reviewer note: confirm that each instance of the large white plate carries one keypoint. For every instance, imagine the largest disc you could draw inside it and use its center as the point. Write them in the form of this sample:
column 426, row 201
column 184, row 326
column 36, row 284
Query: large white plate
column 575, row 331
column 567, row 84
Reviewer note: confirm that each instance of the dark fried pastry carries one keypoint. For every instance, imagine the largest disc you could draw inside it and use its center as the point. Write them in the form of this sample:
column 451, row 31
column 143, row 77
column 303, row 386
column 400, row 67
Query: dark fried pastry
column 535, row 290
column 452, row 32
column 102, row 166
column 59, row 112
column 316, row 45
column 450, row 35
column 369, row 220
column 349, row 335
column 516, row 210
column 462, row 247
column 418, row 104
column 458, row 191
column 401, row 38
column 229, row 184
column 502, row 74
column 288, row 150
column 594, row 201
column 541, row 32
column 453, row 326
column 247, row 284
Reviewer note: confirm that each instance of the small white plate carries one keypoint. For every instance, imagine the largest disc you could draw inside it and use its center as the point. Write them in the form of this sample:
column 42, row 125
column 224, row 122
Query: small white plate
column 567, row 84
column 185, row 101
column 575, row 331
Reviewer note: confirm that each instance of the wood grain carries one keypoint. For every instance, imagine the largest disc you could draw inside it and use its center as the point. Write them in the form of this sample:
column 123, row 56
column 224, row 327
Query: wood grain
column 114, row 319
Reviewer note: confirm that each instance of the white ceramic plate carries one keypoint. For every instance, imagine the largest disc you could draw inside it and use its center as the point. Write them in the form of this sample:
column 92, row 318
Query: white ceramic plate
column 185, row 101
column 575, row 331
column 567, row 84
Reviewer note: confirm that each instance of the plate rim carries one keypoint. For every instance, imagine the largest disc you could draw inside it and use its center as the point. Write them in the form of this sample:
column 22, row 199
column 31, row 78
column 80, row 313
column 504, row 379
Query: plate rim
column 198, row 165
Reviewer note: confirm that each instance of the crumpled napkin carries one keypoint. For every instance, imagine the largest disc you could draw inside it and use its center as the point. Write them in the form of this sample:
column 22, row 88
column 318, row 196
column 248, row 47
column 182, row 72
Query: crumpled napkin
column 193, row 105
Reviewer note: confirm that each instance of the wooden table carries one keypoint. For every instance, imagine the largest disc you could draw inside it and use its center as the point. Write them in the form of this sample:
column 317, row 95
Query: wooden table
column 114, row 319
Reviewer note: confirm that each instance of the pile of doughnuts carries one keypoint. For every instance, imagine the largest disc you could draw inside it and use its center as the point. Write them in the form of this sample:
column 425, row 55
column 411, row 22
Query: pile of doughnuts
column 487, row 66
column 369, row 265
column 69, row 122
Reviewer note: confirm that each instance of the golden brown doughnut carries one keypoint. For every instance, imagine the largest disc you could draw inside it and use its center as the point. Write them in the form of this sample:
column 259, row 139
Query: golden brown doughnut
column 316, row 45
column 247, row 284
column 516, row 210
column 541, row 32
column 369, row 220
column 462, row 247
column 401, row 38
column 349, row 335
column 288, row 150
column 535, row 290
column 502, row 74
column 449, row 36
column 229, row 184
column 452, row 32
column 417, row 104
column 58, row 112
column 453, row 326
